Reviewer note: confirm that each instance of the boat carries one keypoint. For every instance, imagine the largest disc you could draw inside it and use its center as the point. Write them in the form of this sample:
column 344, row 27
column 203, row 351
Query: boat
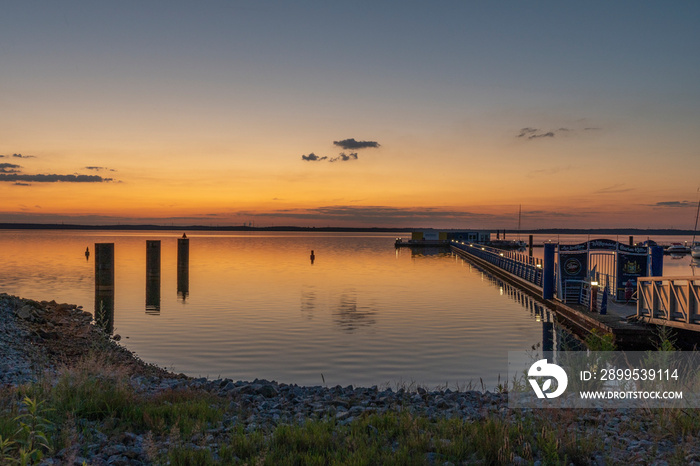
column 677, row 248
column 695, row 251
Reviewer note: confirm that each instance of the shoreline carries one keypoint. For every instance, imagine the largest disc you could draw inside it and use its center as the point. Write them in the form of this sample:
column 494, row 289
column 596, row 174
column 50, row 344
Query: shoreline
column 50, row 350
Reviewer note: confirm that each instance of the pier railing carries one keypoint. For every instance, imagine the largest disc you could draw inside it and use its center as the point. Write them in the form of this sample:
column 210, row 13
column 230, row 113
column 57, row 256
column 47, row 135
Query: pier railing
column 521, row 265
column 675, row 300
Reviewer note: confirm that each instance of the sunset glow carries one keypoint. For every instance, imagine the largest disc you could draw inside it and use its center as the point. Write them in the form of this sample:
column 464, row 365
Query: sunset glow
column 446, row 115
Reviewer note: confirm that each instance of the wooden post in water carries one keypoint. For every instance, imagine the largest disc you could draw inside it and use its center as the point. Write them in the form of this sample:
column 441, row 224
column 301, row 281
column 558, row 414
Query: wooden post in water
column 153, row 277
column 631, row 240
column 104, row 286
column 183, row 267
column 530, row 239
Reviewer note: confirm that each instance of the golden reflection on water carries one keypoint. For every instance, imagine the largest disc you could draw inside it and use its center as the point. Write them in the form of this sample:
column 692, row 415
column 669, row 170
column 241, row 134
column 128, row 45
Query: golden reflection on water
column 256, row 305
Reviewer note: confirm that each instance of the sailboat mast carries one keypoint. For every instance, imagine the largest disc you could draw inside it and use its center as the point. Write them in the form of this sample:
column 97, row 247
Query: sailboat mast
column 695, row 230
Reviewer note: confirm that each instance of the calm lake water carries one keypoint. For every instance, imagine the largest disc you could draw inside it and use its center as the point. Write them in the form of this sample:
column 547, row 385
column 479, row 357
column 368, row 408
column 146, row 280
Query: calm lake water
column 363, row 313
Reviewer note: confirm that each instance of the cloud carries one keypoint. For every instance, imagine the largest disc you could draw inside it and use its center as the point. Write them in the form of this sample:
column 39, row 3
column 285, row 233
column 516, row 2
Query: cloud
column 313, row 158
column 351, row 144
column 614, row 189
column 370, row 213
column 9, row 168
column 343, row 157
column 526, row 131
column 100, row 169
column 54, row 178
column 532, row 133
column 536, row 133
column 19, row 156
column 549, row 134
column 674, row 204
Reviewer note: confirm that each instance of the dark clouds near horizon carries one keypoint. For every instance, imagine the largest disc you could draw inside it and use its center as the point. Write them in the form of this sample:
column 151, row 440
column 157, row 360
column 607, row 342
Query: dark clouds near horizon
column 674, row 204
column 19, row 156
column 52, row 178
column 9, row 168
column 13, row 173
column 370, row 213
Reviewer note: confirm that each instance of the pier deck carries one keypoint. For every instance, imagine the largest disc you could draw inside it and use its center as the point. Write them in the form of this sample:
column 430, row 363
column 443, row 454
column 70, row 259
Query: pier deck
column 627, row 333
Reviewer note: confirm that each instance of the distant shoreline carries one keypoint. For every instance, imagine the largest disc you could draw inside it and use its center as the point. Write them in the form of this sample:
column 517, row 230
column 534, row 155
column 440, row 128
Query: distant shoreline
column 543, row 231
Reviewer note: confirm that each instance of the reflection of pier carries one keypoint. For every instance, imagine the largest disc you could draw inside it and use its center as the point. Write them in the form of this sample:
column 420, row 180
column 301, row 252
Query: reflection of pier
column 349, row 316
column 104, row 286
column 554, row 337
column 535, row 283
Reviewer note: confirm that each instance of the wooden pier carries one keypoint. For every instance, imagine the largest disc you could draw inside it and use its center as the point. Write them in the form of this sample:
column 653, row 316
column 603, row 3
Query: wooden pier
column 628, row 334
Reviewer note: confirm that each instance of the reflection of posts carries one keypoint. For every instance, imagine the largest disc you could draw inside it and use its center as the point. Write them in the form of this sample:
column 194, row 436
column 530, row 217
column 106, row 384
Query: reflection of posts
column 183, row 267
column 547, row 336
column 104, row 286
column 153, row 277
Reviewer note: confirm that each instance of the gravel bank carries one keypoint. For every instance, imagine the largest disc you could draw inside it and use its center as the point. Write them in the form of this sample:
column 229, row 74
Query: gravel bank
column 37, row 339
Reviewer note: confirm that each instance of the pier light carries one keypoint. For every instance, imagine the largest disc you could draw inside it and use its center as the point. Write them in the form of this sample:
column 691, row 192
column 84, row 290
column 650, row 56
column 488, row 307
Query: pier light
column 594, row 283
column 483, row 249
column 539, row 266
column 501, row 254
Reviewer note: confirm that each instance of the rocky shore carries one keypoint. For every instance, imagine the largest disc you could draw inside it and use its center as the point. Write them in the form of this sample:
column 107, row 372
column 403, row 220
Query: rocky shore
column 41, row 340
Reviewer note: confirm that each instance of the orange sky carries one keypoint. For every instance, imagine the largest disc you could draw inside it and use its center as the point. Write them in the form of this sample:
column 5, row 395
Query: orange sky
column 203, row 116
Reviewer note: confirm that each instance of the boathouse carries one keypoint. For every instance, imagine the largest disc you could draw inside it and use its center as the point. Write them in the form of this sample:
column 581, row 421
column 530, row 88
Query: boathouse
column 472, row 236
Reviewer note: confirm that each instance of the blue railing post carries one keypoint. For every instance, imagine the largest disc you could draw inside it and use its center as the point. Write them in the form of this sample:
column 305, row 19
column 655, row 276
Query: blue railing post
column 548, row 272
column 657, row 261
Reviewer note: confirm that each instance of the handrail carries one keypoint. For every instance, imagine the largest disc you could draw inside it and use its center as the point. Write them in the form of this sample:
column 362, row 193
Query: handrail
column 529, row 269
column 670, row 299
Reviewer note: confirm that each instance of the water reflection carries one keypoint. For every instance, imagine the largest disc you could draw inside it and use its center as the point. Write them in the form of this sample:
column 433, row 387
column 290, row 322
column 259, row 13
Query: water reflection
column 554, row 337
column 349, row 316
column 308, row 303
column 183, row 267
column 104, row 286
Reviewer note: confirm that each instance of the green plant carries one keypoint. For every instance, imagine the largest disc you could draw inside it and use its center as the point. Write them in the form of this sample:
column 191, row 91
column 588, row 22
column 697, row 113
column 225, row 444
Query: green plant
column 6, row 447
column 666, row 339
column 31, row 436
column 598, row 341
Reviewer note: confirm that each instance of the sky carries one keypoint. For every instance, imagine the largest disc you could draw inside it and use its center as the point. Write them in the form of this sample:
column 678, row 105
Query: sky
column 448, row 114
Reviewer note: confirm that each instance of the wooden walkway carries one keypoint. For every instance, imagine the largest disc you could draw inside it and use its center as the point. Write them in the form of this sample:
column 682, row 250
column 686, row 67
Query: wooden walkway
column 628, row 334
